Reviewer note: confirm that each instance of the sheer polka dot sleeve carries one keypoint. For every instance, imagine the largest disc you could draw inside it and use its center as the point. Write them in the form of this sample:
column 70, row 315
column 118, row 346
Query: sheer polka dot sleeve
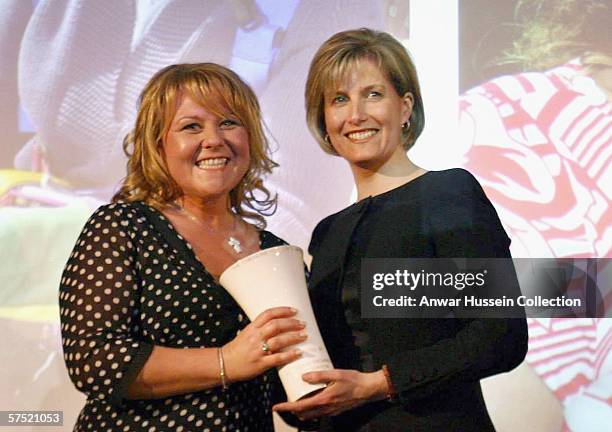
column 99, row 301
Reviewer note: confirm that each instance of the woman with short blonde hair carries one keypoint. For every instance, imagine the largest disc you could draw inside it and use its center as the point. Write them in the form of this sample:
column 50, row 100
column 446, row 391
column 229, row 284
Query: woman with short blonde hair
column 338, row 55
column 395, row 374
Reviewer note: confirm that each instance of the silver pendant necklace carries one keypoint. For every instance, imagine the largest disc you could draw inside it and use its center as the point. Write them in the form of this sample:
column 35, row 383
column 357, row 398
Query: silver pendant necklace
column 234, row 243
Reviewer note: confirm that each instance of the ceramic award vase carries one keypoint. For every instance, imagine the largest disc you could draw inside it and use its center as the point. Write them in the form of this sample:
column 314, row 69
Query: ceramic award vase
column 275, row 277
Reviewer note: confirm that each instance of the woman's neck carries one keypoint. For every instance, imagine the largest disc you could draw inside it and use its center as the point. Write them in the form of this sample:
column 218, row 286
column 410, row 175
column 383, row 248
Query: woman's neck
column 213, row 212
column 393, row 174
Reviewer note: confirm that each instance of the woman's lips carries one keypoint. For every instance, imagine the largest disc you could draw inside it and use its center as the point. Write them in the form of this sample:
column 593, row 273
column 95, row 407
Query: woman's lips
column 361, row 134
column 212, row 163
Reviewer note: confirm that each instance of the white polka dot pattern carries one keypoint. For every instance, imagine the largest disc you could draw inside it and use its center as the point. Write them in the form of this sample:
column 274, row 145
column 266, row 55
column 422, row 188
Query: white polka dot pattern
column 132, row 282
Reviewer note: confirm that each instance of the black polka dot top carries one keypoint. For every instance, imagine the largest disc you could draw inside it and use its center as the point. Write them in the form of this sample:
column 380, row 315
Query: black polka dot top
column 133, row 282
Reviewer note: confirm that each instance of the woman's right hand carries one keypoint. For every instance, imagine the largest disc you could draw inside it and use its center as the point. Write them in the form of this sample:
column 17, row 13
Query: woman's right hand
column 245, row 357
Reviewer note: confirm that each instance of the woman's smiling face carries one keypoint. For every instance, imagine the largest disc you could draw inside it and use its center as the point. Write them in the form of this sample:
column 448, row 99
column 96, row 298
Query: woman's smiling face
column 364, row 116
column 206, row 154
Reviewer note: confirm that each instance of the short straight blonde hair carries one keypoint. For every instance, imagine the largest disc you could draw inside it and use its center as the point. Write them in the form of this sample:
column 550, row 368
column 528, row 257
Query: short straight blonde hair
column 338, row 55
column 220, row 91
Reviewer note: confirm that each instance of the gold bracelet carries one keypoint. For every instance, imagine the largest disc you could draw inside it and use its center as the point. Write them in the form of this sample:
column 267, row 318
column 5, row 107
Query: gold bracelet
column 222, row 368
column 391, row 392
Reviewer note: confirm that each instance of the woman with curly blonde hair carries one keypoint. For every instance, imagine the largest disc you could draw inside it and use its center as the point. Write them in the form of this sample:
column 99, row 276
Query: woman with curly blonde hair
column 149, row 335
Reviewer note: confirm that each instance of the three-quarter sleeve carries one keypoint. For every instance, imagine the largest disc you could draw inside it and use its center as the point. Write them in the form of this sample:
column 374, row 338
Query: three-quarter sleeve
column 99, row 298
column 464, row 224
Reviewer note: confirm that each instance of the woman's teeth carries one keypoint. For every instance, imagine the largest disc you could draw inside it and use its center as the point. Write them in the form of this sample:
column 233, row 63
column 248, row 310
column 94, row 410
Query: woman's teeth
column 361, row 134
column 212, row 163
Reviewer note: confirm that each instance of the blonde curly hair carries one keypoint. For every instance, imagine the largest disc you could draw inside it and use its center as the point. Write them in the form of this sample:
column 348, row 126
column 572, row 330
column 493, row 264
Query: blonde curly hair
column 216, row 88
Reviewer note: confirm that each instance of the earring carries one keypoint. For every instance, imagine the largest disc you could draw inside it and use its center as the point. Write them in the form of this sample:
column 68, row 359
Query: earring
column 326, row 138
column 406, row 125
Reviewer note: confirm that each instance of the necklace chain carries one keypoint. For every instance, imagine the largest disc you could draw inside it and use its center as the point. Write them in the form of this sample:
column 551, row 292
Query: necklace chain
column 233, row 242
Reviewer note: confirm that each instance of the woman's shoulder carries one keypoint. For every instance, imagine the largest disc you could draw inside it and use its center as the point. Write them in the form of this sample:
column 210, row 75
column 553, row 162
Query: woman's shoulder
column 324, row 224
column 117, row 223
column 454, row 196
column 458, row 198
column 320, row 231
column 452, row 186
column 119, row 209
column 128, row 215
column 450, row 179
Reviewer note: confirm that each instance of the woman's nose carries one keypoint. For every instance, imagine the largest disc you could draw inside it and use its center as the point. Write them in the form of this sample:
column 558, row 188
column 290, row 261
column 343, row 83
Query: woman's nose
column 211, row 138
column 357, row 113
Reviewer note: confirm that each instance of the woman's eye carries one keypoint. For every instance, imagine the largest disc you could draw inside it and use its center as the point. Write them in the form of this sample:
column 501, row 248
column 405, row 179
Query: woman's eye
column 339, row 99
column 227, row 123
column 191, row 127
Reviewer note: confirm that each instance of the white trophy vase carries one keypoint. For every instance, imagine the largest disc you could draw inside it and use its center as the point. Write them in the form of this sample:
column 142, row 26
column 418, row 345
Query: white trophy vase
column 275, row 277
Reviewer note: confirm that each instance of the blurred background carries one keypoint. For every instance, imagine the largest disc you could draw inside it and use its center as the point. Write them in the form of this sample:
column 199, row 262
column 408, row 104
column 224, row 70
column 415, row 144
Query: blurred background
column 519, row 92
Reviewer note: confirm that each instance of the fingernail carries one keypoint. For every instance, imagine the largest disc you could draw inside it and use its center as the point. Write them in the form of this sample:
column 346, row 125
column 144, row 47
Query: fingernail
column 294, row 310
column 303, row 334
column 298, row 352
column 302, row 324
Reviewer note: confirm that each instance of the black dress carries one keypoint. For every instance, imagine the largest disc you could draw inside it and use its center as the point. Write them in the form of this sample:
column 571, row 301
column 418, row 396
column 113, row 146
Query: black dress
column 133, row 282
column 435, row 364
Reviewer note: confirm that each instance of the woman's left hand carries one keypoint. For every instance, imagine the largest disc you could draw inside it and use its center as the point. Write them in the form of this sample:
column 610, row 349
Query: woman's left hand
column 345, row 389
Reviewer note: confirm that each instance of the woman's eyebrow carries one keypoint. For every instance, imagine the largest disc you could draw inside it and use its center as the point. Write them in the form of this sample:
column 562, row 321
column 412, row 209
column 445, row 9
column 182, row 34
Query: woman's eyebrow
column 342, row 90
column 188, row 117
column 373, row 86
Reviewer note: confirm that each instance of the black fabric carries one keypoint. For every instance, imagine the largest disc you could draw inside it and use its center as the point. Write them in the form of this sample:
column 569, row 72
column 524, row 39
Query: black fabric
column 435, row 364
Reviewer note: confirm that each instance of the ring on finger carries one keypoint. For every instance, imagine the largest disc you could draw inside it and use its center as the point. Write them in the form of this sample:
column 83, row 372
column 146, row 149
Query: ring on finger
column 265, row 347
